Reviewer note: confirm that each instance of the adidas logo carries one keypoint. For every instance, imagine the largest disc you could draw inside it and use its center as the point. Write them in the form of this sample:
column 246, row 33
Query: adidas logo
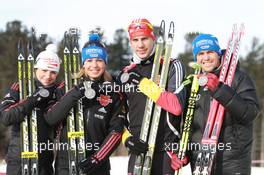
column 102, row 109
column 7, row 95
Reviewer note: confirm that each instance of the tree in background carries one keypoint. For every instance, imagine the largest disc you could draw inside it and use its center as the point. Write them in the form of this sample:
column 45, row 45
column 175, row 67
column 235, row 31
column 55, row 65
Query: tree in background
column 119, row 52
column 187, row 55
column 253, row 63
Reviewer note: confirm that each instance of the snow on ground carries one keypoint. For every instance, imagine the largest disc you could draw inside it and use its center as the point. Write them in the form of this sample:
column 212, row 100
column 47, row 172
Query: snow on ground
column 2, row 167
column 119, row 167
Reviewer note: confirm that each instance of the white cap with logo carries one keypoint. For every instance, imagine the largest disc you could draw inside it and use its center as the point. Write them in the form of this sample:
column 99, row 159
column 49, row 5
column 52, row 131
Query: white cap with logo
column 48, row 59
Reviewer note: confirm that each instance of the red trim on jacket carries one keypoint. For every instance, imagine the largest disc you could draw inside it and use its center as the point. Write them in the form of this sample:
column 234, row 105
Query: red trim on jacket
column 108, row 146
column 170, row 102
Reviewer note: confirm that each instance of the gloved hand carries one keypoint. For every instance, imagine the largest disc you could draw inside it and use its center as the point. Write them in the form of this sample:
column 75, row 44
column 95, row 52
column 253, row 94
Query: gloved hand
column 209, row 80
column 40, row 96
column 176, row 163
column 136, row 146
column 88, row 165
column 130, row 77
column 14, row 91
column 80, row 88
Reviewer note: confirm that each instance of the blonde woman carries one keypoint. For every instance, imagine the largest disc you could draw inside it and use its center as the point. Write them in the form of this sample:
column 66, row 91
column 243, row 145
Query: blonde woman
column 103, row 118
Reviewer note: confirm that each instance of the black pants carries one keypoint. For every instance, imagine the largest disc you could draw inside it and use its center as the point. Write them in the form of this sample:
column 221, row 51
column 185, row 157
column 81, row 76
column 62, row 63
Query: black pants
column 13, row 168
column 160, row 164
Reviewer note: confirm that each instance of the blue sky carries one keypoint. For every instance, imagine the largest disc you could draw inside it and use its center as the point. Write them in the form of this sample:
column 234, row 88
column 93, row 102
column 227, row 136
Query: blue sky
column 208, row 16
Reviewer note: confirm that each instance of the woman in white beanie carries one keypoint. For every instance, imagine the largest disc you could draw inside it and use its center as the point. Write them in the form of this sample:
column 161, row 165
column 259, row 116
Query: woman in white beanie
column 13, row 111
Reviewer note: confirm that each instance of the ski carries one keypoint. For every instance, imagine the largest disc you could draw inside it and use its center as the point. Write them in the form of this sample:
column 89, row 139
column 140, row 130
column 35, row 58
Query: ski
column 157, row 110
column 33, row 117
column 25, row 162
column 149, row 103
column 226, row 62
column 205, row 160
column 29, row 141
column 78, row 112
column 190, row 111
column 75, row 123
column 72, row 149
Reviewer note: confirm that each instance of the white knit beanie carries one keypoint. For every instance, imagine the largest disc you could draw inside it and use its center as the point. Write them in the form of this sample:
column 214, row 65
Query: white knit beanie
column 48, row 59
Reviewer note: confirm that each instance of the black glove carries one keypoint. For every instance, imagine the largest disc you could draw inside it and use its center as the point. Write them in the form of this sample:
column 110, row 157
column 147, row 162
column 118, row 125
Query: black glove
column 130, row 77
column 136, row 146
column 88, row 165
column 41, row 96
column 14, row 91
column 80, row 88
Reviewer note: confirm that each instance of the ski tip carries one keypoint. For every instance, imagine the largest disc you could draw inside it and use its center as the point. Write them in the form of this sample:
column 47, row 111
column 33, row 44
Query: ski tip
column 162, row 28
column 20, row 46
column 242, row 28
column 194, row 65
column 19, row 43
column 73, row 31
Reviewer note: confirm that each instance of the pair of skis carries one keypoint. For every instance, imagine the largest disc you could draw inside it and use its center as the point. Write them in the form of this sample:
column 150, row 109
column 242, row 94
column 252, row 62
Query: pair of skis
column 205, row 159
column 75, row 123
column 29, row 141
column 149, row 128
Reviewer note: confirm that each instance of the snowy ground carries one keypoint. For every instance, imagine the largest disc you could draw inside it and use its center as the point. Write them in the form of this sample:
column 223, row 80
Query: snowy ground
column 119, row 167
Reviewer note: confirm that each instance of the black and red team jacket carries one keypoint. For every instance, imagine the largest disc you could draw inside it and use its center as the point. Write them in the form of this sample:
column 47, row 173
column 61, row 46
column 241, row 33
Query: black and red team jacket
column 103, row 122
column 169, row 125
column 12, row 113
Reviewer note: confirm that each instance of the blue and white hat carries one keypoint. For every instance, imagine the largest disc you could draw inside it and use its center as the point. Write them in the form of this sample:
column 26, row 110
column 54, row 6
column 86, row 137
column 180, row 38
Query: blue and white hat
column 94, row 49
column 205, row 42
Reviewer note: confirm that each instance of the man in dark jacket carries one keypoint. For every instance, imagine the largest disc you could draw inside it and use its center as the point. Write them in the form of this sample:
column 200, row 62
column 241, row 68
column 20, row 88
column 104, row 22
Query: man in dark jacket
column 241, row 108
column 142, row 41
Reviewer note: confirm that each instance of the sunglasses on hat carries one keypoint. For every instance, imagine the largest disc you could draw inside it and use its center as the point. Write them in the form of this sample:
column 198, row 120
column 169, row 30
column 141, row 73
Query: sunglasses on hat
column 140, row 25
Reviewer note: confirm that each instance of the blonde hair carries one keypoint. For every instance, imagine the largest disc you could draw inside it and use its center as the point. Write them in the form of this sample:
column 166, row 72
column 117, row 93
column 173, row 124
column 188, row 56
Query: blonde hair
column 107, row 76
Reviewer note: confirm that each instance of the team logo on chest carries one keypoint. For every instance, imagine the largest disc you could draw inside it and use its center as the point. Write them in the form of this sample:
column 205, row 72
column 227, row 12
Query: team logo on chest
column 104, row 100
